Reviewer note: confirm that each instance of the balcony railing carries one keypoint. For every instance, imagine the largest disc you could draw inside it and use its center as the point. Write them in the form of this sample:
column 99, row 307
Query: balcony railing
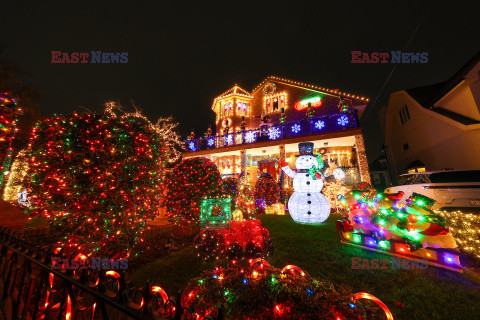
column 323, row 124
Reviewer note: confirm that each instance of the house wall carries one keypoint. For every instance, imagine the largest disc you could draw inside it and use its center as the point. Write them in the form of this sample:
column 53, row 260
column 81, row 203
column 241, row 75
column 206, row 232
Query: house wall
column 437, row 141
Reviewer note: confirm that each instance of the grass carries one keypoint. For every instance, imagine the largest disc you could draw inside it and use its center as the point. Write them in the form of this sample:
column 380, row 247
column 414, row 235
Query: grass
column 431, row 293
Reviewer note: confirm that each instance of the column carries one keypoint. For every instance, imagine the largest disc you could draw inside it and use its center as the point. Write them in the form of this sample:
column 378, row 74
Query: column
column 362, row 159
column 281, row 158
column 243, row 166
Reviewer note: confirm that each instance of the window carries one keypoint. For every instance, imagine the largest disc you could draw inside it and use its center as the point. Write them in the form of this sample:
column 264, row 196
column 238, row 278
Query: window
column 242, row 108
column 227, row 108
column 408, row 113
column 275, row 102
column 404, row 115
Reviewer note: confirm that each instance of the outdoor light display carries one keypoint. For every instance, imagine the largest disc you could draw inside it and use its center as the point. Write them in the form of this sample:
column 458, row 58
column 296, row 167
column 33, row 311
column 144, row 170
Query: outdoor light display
column 96, row 178
column 339, row 174
column 15, row 185
column 315, row 102
column 233, row 240
column 245, row 202
column 257, row 290
column 326, row 123
column 188, row 184
column 266, row 192
column 377, row 222
column 307, row 204
column 465, row 228
column 230, row 187
column 215, row 213
column 9, row 112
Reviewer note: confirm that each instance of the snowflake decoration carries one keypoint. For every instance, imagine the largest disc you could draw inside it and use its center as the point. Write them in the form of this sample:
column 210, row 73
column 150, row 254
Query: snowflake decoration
column 229, row 139
column 191, row 146
column 320, row 124
column 210, row 142
column 250, row 137
column 296, row 128
column 343, row 121
column 274, row 133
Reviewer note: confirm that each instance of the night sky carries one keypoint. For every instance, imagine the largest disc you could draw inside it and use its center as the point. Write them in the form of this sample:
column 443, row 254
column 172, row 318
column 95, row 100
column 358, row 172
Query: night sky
column 182, row 54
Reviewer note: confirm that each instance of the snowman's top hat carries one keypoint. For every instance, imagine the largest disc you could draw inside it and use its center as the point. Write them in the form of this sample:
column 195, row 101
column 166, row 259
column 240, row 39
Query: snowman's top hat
column 305, row 149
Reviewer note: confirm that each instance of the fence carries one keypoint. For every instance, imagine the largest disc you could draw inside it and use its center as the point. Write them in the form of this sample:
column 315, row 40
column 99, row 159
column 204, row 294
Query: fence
column 31, row 289
column 323, row 124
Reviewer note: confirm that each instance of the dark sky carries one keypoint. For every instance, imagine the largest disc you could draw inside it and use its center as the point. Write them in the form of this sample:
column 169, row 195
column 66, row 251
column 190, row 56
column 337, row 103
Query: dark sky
column 184, row 53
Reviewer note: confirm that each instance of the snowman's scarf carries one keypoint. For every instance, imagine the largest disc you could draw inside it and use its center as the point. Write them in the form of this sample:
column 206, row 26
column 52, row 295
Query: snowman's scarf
column 313, row 170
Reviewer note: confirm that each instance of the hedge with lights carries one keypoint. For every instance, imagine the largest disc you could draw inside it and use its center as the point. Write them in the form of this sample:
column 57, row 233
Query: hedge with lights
column 267, row 189
column 188, row 184
column 261, row 291
column 230, row 187
column 95, row 177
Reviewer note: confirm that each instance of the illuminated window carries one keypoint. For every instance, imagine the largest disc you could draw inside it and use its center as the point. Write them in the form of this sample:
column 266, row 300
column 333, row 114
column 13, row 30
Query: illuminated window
column 275, row 102
column 242, row 108
column 227, row 108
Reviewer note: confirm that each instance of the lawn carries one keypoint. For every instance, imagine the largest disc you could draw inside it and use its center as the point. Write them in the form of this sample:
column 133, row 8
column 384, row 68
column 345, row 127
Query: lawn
column 430, row 293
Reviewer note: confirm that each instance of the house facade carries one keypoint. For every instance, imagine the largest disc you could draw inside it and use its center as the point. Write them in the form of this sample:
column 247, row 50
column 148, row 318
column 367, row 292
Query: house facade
column 258, row 129
column 435, row 127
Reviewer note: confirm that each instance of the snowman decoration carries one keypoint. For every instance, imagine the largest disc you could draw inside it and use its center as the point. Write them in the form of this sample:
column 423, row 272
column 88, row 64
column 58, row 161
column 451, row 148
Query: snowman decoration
column 307, row 204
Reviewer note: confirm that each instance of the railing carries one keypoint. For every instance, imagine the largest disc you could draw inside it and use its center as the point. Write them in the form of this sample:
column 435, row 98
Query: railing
column 31, row 289
column 323, row 124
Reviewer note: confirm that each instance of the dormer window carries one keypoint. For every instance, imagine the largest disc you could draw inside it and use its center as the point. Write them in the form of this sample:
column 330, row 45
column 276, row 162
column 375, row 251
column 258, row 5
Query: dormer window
column 242, row 108
column 227, row 108
column 275, row 102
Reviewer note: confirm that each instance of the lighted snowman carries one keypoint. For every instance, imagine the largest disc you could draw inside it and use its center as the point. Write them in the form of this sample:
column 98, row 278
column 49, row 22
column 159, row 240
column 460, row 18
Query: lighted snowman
column 307, row 204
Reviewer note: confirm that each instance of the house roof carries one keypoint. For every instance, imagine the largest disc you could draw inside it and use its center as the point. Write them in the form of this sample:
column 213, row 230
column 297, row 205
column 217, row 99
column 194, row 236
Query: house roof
column 310, row 86
column 234, row 91
column 425, row 94
column 455, row 116
column 429, row 94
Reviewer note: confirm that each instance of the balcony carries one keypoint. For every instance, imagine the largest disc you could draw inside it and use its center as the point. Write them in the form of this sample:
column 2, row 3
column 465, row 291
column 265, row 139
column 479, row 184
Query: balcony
column 318, row 125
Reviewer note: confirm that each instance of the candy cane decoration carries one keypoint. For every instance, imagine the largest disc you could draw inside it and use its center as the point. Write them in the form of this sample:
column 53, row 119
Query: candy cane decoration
column 364, row 295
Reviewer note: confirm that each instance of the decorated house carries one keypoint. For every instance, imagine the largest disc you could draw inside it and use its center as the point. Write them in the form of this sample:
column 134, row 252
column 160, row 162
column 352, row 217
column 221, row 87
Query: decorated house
column 257, row 130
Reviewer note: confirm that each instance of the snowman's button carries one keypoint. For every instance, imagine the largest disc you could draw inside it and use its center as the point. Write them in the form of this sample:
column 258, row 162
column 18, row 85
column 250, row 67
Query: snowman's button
column 307, row 175
column 309, row 212
column 308, row 194
column 309, row 202
column 308, row 182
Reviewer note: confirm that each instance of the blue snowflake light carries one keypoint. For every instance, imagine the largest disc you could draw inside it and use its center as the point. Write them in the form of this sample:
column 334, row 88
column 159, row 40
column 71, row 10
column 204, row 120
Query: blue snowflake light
column 210, row 142
column 343, row 121
column 320, row 124
column 229, row 139
column 274, row 133
column 296, row 128
column 191, row 146
column 250, row 137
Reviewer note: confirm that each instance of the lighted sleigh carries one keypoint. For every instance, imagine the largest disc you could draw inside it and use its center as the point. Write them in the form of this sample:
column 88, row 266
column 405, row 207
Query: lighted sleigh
column 377, row 222
column 225, row 237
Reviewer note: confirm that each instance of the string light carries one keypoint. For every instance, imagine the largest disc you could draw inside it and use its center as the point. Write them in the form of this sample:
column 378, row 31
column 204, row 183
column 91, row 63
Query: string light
column 376, row 221
column 95, row 177
column 257, row 290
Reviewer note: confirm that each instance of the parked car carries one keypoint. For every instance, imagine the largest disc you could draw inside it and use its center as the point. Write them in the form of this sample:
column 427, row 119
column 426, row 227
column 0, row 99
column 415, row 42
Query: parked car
column 452, row 188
